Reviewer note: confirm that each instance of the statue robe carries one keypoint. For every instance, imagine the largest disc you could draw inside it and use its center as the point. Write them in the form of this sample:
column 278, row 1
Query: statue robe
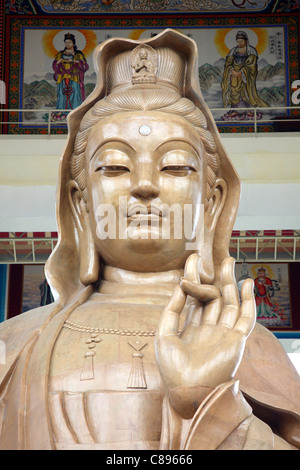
column 267, row 379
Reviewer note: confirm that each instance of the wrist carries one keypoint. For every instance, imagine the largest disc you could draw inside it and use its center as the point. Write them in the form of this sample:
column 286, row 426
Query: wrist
column 186, row 400
column 221, row 412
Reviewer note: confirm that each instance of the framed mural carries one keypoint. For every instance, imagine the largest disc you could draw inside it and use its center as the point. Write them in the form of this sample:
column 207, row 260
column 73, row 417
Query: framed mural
column 244, row 62
column 145, row 6
column 272, row 292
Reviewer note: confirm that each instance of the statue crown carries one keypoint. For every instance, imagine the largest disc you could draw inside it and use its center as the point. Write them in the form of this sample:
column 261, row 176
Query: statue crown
column 162, row 66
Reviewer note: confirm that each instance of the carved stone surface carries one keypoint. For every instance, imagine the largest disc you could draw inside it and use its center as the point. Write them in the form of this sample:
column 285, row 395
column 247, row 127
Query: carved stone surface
column 146, row 345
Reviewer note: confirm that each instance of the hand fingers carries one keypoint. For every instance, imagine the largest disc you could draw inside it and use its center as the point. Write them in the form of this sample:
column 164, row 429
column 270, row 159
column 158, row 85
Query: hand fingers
column 193, row 314
column 207, row 294
column 211, row 312
column 191, row 268
column 191, row 275
column 169, row 321
column 229, row 287
column 247, row 318
column 231, row 304
column 199, row 295
column 204, row 293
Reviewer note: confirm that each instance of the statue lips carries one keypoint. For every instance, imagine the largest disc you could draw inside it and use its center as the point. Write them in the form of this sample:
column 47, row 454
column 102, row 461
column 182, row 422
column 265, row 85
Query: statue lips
column 146, row 212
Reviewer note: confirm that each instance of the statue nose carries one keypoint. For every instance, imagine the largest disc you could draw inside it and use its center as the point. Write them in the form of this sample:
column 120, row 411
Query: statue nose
column 144, row 188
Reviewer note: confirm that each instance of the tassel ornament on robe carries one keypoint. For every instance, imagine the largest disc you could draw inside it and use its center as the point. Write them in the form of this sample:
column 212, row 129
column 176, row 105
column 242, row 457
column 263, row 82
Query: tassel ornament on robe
column 136, row 377
column 87, row 371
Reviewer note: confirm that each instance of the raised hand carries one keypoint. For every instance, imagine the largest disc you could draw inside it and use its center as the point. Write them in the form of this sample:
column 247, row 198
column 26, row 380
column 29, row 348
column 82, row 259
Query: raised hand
column 210, row 347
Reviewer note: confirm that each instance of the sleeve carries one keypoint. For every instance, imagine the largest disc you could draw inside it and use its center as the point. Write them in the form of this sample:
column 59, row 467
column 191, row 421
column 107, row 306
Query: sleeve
column 55, row 66
column 271, row 384
column 83, row 65
column 223, row 421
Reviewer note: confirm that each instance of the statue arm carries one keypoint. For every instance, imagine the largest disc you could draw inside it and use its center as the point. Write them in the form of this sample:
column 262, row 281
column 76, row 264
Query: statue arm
column 224, row 421
column 16, row 332
column 218, row 416
column 271, row 384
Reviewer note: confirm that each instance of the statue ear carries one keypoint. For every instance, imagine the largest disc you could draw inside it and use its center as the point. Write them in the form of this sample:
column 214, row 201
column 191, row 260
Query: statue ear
column 212, row 213
column 88, row 257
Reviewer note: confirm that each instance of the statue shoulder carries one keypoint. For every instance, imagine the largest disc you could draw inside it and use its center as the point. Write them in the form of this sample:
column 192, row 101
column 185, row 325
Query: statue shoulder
column 17, row 331
column 262, row 345
column 26, row 321
column 267, row 374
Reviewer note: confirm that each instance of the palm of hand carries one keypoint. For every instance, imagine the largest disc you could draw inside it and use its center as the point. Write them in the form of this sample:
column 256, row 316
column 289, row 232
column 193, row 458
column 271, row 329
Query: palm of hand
column 208, row 351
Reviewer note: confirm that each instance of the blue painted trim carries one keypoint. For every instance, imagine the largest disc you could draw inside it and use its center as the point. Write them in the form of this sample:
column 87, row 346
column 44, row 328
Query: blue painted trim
column 286, row 334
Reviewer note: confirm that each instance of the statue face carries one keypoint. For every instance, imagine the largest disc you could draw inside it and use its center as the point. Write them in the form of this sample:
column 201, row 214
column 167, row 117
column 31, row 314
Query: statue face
column 136, row 164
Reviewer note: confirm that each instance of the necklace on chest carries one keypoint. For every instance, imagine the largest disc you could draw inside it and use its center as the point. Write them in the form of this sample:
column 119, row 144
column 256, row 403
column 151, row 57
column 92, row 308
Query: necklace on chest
column 92, row 336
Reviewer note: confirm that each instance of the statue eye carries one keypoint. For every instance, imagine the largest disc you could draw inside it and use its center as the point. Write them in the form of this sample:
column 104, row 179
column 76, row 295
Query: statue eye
column 178, row 170
column 113, row 170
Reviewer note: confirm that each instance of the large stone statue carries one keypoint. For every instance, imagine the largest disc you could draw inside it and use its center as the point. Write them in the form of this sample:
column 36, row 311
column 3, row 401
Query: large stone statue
column 147, row 345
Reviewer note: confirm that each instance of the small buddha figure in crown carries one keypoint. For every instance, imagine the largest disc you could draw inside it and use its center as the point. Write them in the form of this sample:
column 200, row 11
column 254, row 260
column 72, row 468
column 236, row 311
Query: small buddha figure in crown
column 144, row 64
column 147, row 345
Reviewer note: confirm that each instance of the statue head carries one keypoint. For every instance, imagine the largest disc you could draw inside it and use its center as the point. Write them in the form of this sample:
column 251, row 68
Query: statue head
column 143, row 53
column 149, row 145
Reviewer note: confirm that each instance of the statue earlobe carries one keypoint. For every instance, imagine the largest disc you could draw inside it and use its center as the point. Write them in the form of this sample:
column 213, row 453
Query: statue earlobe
column 89, row 263
column 211, row 217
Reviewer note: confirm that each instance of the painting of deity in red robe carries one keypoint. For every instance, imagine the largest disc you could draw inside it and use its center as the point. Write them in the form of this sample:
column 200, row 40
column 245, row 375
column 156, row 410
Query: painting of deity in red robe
column 271, row 291
column 264, row 291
